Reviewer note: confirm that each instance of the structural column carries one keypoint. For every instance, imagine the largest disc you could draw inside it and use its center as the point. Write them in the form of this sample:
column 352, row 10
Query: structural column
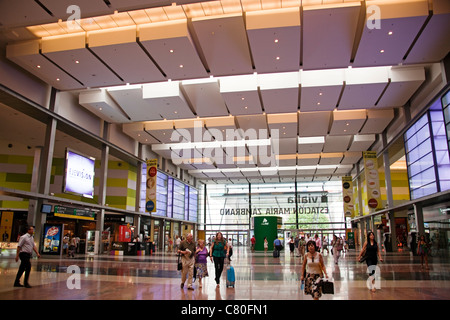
column 100, row 219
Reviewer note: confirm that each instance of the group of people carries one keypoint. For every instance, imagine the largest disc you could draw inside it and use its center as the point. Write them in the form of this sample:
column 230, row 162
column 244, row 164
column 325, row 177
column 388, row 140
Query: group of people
column 196, row 256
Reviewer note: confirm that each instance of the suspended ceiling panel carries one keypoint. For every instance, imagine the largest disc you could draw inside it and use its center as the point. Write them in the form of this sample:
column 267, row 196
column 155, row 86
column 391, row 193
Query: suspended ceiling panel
column 321, row 89
column 351, row 157
column 161, row 130
column 168, row 98
column 279, row 92
column 26, row 54
column 312, row 124
column 310, row 145
column 362, row 142
column 22, row 12
column 101, row 104
column 377, row 121
column 347, row 122
column 403, row 83
column 130, row 100
column 286, row 145
column 286, row 160
column 388, row 43
column 308, row 159
column 241, row 94
column 328, row 34
column 433, row 44
column 114, row 46
column 336, row 143
column 218, row 126
column 204, row 97
column 192, row 130
column 363, row 87
column 253, row 125
column 274, row 37
column 69, row 52
column 224, row 43
column 332, row 158
column 136, row 131
column 283, row 125
column 171, row 45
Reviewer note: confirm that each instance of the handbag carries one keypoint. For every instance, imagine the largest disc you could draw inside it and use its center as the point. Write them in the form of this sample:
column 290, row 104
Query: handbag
column 327, row 287
column 180, row 264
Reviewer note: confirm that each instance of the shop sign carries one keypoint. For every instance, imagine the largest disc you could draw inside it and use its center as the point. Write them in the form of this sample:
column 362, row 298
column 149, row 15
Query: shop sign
column 74, row 213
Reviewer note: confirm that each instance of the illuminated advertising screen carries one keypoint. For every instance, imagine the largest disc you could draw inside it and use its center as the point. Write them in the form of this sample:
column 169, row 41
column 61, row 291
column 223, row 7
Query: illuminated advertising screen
column 79, row 174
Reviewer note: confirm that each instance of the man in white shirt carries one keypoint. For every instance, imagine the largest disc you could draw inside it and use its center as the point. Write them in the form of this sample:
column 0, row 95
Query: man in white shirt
column 25, row 249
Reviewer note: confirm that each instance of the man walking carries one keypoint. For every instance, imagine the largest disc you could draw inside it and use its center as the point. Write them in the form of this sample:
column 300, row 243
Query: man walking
column 187, row 249
column 25, row 249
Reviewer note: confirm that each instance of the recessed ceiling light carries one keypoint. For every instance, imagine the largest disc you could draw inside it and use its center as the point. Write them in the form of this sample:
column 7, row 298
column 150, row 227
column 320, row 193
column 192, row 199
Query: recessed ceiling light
column 38, row 66
column 76, row 61
column 100, row 109
column 175, row 112
column 181, row 66
column 320, row 93
column 278, row 58
column 57, row 79
column 276, row 40
column 171, row 50
column 245, row 107
column 390, row 33
column 318, row 103
column 381, row 51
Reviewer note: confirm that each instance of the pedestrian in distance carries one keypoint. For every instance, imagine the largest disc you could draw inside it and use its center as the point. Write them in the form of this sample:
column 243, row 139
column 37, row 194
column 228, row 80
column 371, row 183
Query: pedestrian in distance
column 336, row 248
column 25, row 250
column 313, row 269
column 266, row 244
column 187, row 250
column 423, row 249
column 218, row 252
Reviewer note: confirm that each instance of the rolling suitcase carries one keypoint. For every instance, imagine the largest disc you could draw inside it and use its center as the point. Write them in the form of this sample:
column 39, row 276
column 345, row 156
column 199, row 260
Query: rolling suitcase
column 230, row 276
column 276, row 253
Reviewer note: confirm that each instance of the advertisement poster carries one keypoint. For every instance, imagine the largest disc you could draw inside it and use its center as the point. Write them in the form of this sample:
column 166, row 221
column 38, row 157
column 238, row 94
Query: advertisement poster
column 53, row 234
column 124, row 233
column 372, row 180
column 150, row 201
column 347, row 194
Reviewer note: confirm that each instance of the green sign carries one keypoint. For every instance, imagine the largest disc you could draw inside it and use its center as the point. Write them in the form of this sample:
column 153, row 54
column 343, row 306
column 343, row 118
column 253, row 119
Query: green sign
column 265, row 227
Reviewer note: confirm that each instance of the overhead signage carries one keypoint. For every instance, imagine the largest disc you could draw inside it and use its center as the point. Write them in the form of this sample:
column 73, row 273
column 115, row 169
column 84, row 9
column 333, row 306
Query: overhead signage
column 372, row 179
column 347, row 194
column 150, row 200
column 306, row 204
column 74, row 213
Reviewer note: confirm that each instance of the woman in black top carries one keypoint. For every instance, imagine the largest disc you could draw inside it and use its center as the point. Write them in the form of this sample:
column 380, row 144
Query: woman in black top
column 371, row 254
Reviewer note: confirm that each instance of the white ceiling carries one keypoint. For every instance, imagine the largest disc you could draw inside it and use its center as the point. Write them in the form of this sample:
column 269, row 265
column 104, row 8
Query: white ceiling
column 303, row 86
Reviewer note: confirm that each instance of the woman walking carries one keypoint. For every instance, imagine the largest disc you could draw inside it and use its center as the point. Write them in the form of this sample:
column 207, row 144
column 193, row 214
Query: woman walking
column 200, row 261
column 336, row 247
column 266, row 244
column 371, row 254
column 313, row 269
column 423, row 250
column 219, row 250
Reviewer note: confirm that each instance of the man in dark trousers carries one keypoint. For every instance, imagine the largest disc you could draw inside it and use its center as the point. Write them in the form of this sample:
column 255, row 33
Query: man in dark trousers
column 25, row 249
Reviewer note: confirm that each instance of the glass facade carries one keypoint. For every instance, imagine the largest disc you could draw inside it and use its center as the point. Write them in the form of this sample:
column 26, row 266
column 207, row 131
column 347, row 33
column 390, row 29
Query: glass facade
column 426, row 147
column 307, row 206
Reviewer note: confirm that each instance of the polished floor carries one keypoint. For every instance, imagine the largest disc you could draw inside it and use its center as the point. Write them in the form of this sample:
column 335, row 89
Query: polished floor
column 259, row 276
